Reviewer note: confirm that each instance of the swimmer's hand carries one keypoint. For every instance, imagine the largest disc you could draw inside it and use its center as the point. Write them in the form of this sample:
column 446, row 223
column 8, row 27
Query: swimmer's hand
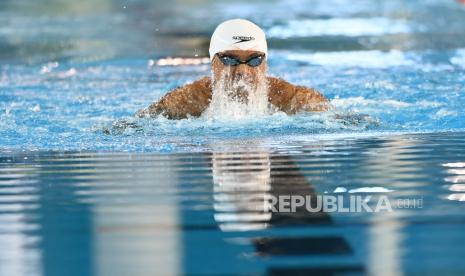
column 121, row 126
column 357, row 120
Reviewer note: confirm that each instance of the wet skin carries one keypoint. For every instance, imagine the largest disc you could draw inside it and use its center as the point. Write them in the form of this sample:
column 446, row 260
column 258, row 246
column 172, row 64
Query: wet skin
column 192, row 99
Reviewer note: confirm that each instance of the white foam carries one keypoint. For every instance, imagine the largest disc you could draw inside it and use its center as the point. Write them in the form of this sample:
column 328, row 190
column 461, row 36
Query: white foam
column 361, row 101
column 339, row 26
column 36, row 108
column 454, row 165
column 340, row 190
column 226, row 108
column 49, row 67
column 363, row 190
column 459, row 58
column 364, row 59
column 441, row 113
column 371, row 190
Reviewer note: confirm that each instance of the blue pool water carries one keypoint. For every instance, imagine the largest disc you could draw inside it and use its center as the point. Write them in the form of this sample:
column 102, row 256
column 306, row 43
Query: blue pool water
column 68, row 73
column 87, row 213
column 165, row 197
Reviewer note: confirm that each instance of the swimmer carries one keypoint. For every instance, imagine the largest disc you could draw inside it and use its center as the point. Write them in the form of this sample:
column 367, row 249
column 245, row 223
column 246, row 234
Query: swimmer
column 238, row 54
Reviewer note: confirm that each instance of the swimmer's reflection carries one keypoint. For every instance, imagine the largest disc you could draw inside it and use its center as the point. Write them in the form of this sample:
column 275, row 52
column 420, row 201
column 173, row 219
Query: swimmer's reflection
column 244, row 181
column 241, row 184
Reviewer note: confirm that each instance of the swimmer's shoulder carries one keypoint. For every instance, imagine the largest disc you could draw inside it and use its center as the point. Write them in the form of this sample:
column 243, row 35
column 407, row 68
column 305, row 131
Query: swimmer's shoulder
column 203, row 85
column 280, row 86
column 199, row 89
column 292, row 98
column 190, row 99
column 277, row 85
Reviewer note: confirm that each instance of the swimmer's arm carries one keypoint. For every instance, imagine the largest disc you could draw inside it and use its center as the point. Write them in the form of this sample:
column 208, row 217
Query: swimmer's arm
column 309, row 99
column 189, row 100
column 292, row 99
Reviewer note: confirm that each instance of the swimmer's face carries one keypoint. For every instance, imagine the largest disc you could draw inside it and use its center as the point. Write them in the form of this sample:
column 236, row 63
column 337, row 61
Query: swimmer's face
column 244, row 72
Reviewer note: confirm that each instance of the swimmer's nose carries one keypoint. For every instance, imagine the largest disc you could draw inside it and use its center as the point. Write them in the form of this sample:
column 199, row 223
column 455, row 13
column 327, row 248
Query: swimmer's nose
column 242, row 71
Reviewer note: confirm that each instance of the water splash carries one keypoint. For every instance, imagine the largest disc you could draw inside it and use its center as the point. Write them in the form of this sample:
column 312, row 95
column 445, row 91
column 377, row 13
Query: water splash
column 238, row 99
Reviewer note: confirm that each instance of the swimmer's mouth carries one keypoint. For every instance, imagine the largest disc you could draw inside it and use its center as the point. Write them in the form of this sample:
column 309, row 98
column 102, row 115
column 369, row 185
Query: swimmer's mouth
column 240, row 94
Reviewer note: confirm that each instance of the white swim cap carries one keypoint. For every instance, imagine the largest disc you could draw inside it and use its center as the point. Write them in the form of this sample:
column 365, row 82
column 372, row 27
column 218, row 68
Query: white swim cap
column 237, row 34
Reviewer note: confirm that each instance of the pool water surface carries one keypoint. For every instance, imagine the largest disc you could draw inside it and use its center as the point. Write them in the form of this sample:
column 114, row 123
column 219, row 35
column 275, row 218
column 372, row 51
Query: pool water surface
column 83, row 194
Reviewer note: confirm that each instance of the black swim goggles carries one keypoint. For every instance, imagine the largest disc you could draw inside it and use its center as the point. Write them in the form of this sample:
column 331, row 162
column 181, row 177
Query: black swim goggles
column 231, row 60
